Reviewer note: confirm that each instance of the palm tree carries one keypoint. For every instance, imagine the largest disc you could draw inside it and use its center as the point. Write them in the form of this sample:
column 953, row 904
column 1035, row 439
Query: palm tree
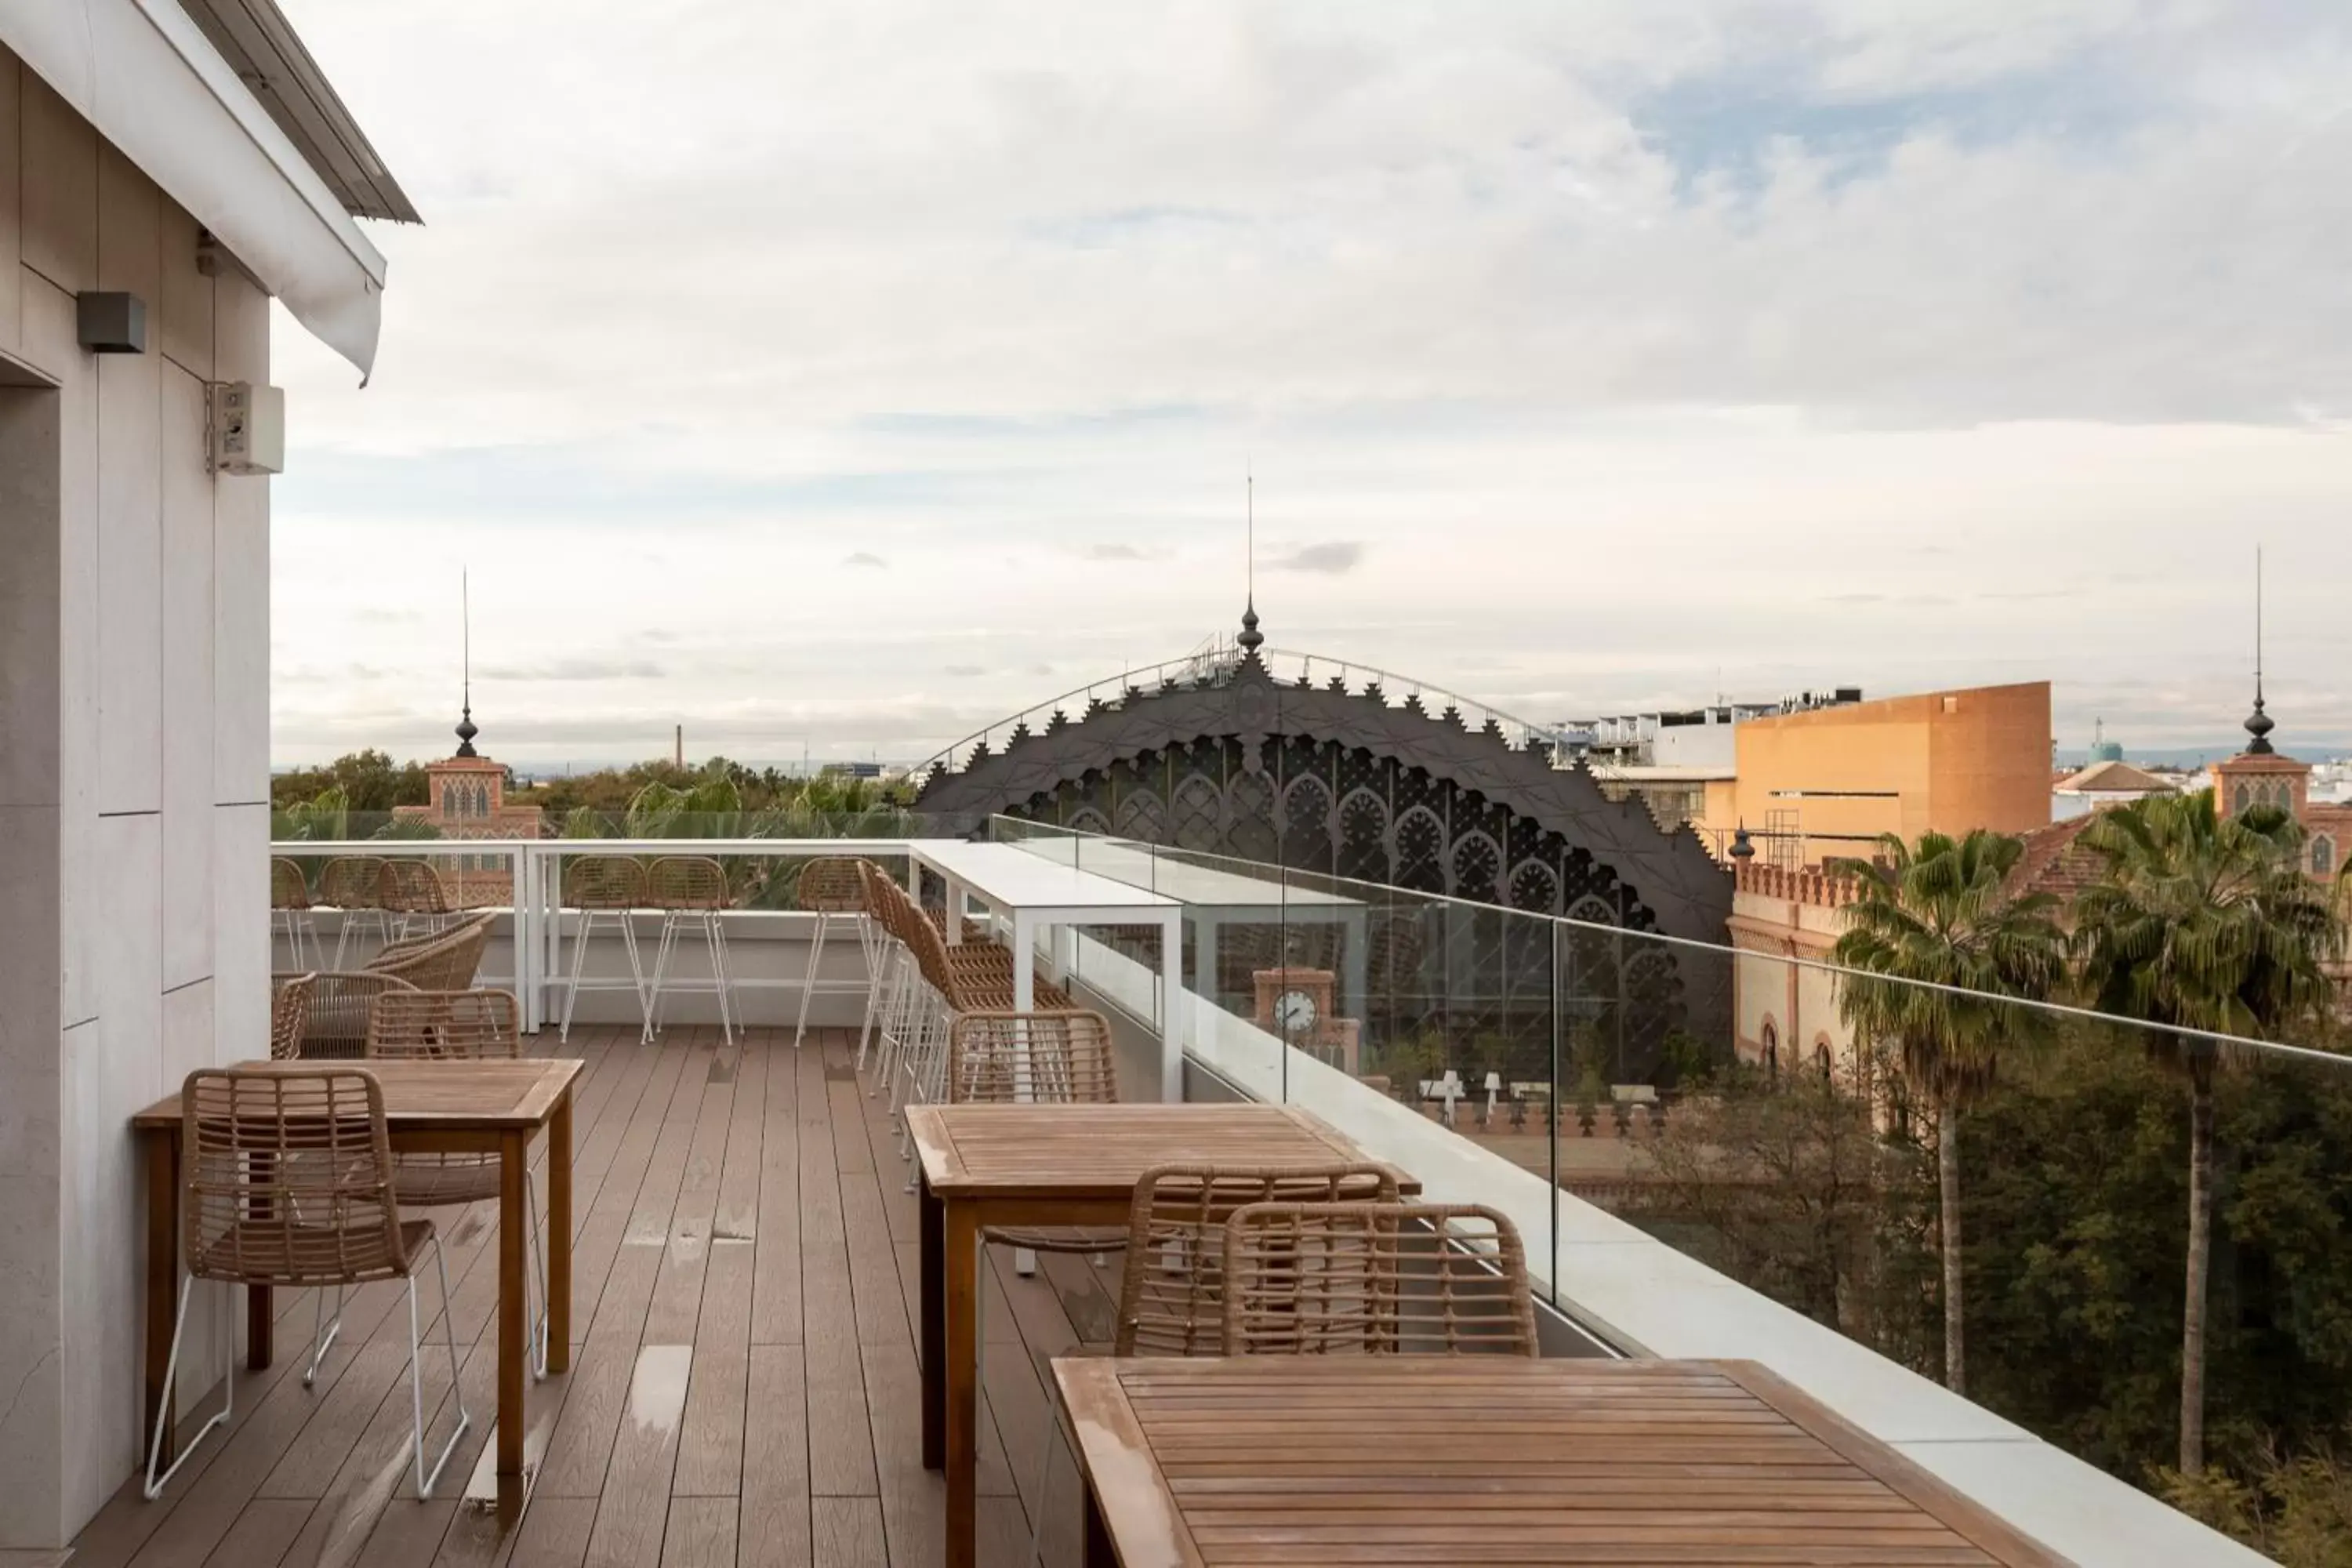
column 1944, row 915
column 2201, row 922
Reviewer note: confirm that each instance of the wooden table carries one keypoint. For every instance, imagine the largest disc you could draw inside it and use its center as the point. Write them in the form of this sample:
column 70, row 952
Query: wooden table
column 989, row 1165
column 1490, row 1460
column 470, row 1107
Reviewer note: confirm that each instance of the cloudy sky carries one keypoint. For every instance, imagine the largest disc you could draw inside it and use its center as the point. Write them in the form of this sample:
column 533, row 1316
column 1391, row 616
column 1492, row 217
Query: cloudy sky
column 846, row 377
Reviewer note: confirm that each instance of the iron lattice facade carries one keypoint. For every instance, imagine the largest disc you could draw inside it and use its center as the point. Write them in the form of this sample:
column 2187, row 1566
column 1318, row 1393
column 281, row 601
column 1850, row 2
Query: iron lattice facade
column 1328, row 782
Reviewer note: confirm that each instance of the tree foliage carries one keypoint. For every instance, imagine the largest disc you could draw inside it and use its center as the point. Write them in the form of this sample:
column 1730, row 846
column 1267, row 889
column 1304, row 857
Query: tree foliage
column 369, row 781
column 1934, row 945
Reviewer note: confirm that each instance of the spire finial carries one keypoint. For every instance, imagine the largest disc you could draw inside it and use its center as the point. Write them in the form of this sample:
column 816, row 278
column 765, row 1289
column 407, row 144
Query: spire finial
column 1251, row 637
column 2259, row 724
column 466, row 730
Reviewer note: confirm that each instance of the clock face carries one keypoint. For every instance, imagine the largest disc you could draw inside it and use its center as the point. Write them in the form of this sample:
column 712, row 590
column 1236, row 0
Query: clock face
column 1295, row 1011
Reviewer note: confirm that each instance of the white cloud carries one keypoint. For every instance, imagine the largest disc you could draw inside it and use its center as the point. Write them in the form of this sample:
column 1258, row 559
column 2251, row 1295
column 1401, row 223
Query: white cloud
column 1612, row 342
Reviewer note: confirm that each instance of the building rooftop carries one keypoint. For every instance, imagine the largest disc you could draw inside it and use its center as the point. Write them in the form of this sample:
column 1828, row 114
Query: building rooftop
column 2114, row 777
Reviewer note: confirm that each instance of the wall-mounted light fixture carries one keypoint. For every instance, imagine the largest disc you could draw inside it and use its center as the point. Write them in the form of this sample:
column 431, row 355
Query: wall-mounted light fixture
column 111, row 323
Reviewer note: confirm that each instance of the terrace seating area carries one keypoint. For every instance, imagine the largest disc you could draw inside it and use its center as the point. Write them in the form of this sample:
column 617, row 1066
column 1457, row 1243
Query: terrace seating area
column 743, row 1386
column 754, row 1294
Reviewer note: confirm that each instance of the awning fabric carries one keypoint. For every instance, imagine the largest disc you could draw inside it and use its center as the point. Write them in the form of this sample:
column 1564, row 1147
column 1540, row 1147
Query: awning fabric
column 144, row 74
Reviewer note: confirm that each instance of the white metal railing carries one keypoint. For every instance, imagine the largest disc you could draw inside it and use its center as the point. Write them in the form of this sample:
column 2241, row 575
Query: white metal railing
column 536, row 867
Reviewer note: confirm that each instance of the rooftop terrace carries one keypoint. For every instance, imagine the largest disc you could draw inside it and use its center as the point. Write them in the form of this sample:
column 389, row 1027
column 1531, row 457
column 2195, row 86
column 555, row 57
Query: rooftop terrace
column 744, row 1382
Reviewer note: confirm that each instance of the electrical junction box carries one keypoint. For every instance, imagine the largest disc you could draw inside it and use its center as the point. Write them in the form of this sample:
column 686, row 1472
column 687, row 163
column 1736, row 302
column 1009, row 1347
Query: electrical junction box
column 249, row 428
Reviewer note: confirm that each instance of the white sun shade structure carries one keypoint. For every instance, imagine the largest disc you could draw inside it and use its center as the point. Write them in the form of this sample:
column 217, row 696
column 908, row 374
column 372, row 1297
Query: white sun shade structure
column 146, row 76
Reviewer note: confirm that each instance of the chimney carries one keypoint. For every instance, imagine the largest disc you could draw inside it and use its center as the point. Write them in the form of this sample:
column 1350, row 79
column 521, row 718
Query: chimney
column 677, row 754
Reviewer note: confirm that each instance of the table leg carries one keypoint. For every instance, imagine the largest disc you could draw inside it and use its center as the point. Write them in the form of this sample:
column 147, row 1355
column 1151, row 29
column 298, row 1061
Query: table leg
column 1096, row 1550
column 961, row 1258
column 514, row 1235
column 559, row 1237
column 162, row 1149
column 931, row 1350
column 260, row 1314
column 260, row 1326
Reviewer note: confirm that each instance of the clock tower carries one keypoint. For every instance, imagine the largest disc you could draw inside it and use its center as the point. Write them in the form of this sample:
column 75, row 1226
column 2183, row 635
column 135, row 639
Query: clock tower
column 1299, row 1006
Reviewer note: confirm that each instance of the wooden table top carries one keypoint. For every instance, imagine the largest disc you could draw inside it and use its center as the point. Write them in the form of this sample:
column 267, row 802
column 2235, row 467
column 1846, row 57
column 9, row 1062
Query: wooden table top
column 502, row 1096
column 1493, row 1461
column 1095, row 1151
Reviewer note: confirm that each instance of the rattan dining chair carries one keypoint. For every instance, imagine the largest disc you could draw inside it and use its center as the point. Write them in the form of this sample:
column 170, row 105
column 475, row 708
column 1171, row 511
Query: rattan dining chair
column 691, row 892
column 335, row 1014
column 604, row 887
column 348, row 884
column 832, row 889
column 412, row 892
column 443, row 960
column 289, row 1011
column 1375, row 1280
column 289, row 910
column 288, row 1181
column 1171, row 1300
column 1037, row 1058
column 459, row 1025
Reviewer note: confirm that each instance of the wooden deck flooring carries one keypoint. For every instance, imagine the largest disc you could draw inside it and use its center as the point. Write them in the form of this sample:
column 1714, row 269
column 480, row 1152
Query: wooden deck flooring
column 743, row 1386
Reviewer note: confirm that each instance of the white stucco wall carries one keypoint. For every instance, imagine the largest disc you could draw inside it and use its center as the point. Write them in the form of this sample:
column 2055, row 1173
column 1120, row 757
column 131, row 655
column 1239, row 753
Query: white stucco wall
column 134, row 615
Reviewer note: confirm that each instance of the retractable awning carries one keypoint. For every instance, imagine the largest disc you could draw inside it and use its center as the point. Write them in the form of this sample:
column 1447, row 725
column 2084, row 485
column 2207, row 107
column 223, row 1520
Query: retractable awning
column 145, row 74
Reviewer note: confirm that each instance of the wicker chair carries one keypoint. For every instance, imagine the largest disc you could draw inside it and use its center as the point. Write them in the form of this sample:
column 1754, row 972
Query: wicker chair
column 445, row 960
column 691, row 892
column 604, row 887
column 459, row 1025
column 289, row 1011
column 1171, row 1301
column 1375, row 1280
column 1172, row 1298
column 290, row 908
column 832, row 889
column 412, row 893
column 289, row 1182
column 935, row 985
column 335, row 1020
column 349, row 885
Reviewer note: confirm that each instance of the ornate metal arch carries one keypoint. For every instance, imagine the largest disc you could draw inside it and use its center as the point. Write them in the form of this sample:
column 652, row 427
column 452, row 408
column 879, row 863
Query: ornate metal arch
column 1329, row 780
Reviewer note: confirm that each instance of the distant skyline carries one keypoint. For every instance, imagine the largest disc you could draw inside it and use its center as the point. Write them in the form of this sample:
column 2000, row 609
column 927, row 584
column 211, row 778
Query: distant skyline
column 856, row 379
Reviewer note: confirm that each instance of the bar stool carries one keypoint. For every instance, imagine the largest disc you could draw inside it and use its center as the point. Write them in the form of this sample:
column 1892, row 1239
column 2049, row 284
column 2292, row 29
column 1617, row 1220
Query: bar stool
column 290, row 908
column 691, row 892
column 604, row 887
column 411, row 892
column 833, row 890
column 348, row 885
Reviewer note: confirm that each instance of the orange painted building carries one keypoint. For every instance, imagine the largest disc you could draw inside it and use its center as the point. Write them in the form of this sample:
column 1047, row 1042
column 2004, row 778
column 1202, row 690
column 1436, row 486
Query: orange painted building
column 1823, row 783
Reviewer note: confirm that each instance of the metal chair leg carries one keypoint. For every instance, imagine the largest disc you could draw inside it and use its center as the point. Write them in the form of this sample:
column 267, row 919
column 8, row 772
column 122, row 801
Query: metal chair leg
column 661, row 970
column 155, row 1483
column 538, row 1263
column 715, row 937
column 808, row 980
column 875, row 958
column 579, row 962
column 320, row 1345
column 637, row 967
column 426, row 1478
